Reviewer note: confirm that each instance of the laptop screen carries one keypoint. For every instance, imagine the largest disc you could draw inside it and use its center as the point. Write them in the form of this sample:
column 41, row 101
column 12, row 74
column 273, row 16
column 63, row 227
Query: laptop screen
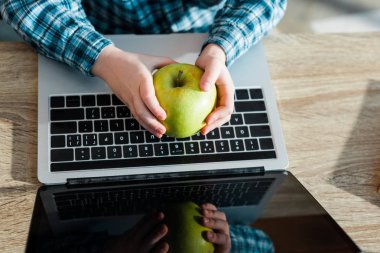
column 91, row 219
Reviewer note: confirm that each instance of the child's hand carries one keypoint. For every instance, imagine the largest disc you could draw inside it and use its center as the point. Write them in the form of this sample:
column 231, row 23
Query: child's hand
column 144, row 237
column 129, row 75
column 212, row 60
column 216, row 220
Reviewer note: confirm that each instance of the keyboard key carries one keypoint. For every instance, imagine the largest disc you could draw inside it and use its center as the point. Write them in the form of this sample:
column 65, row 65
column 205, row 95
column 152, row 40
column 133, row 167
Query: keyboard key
column 192, row 147
column 130, row 151
column 98, row 153
column 101, row 125
column 131, row 124
column 85, row 126
column 266, row 143
column 242, row 94
column 249, row 106
column 149, row 137
column 72, row 101
column 116, row 100
column 63, row 127
column 121, row 138
column 66, row 114
column 260, row 131
column 56, row 102
column 214, row 134
column 227, row 132
column 182, row 139
column 255, row 118
column 74, row 140
column 236, row 119
column 251, row 144
column 105, row 139
column 166, row 138
column 103, row 99
column 137, row 137
column 123, row 112
column 161, row 149
column 114, row 152
column 82, row 154
column 222, row 146
column 207, row 147
column 146, row 150
column 90, row 140
column 176, row 148
column 108, row 112
column 58, row 141
column 237, row 145
column 198, row 136
column 256, row 93
column 93, row 113
column 116, row 125
column 241, row 131
column 61, row 155
column 88, row 100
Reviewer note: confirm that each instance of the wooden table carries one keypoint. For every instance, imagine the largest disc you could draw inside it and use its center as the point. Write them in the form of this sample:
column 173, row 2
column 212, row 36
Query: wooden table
column 328, row 90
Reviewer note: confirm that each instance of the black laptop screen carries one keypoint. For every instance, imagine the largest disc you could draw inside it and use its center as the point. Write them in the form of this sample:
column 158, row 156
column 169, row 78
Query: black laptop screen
column 93, row 219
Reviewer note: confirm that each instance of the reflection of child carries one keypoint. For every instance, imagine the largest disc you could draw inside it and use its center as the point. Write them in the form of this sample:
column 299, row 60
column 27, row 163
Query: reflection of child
column 146, row 235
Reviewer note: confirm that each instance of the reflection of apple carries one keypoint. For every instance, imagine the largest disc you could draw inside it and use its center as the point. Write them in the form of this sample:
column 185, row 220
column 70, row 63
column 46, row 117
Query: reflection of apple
column 186, row 106
column 184, row 229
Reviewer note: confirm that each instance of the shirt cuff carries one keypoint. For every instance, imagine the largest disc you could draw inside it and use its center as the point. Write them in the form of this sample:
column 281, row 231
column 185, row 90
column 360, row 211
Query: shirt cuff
column 230, row 39
column 83, row 49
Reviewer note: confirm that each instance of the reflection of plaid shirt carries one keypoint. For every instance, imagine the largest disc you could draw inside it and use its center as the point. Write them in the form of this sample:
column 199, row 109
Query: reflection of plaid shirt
column 64, row 29
column 245, row 239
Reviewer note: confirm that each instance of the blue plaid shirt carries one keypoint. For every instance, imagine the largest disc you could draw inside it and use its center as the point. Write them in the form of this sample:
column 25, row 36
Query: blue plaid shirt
column 71, row 31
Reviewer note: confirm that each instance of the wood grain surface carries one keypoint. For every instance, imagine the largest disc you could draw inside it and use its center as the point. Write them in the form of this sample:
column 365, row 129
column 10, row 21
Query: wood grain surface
column 328, row 91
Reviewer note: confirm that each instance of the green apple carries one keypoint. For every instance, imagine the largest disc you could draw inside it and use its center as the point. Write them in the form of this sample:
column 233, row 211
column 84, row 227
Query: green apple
column 186, row 106
column 184, row 229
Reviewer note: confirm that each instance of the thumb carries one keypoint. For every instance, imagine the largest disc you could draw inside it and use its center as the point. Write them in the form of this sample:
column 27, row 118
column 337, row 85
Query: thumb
column 210, row 76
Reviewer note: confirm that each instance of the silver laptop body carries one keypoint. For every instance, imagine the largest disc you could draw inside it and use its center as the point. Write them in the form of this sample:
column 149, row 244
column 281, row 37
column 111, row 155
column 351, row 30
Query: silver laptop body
column 56, row 79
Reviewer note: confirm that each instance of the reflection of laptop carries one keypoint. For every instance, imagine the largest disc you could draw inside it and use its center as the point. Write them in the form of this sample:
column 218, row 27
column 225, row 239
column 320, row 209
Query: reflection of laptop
column 67, row 219
column 85, row 133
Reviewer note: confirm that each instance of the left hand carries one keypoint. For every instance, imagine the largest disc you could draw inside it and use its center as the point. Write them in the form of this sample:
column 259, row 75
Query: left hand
column 212, row 60
column 217, row 221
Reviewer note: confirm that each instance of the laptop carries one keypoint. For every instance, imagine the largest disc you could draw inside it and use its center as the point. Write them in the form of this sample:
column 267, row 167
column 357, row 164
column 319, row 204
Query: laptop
column 85, row 134
column 84, row 219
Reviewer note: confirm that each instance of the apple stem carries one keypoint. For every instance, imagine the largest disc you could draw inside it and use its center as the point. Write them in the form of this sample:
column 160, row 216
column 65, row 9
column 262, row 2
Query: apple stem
column 178, row 79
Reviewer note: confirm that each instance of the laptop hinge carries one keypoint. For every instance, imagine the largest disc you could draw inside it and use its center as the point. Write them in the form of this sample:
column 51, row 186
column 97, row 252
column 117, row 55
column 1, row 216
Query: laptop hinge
column 167, row 177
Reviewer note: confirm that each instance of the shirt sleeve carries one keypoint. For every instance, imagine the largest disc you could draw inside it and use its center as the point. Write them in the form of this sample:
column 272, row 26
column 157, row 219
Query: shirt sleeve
column 242, row 23
column 58, row 29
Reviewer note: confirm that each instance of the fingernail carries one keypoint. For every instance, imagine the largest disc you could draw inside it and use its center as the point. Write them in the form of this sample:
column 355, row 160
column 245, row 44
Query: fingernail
column 210, row 235
column 206, row 220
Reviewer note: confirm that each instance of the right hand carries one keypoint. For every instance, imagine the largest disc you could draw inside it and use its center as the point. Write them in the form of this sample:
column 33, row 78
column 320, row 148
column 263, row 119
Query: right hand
column 129, row 75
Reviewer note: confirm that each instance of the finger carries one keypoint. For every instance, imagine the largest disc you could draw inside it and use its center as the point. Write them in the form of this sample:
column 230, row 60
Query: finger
column 161, row 247
column 146, row 119
column 146, row 224
column 154, row 237
column 214, row 214
column 218, row 122
column 211, row 74
column 149, row 98
column 209, row 206
column 217, row 238
column 216, row 224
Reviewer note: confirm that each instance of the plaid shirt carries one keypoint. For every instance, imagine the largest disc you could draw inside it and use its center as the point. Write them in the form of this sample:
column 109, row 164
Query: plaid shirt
column 71, row 31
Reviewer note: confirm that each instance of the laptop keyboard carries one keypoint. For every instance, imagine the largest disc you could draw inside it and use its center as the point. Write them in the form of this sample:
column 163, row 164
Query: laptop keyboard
column 97, row 131
column 137, row 200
